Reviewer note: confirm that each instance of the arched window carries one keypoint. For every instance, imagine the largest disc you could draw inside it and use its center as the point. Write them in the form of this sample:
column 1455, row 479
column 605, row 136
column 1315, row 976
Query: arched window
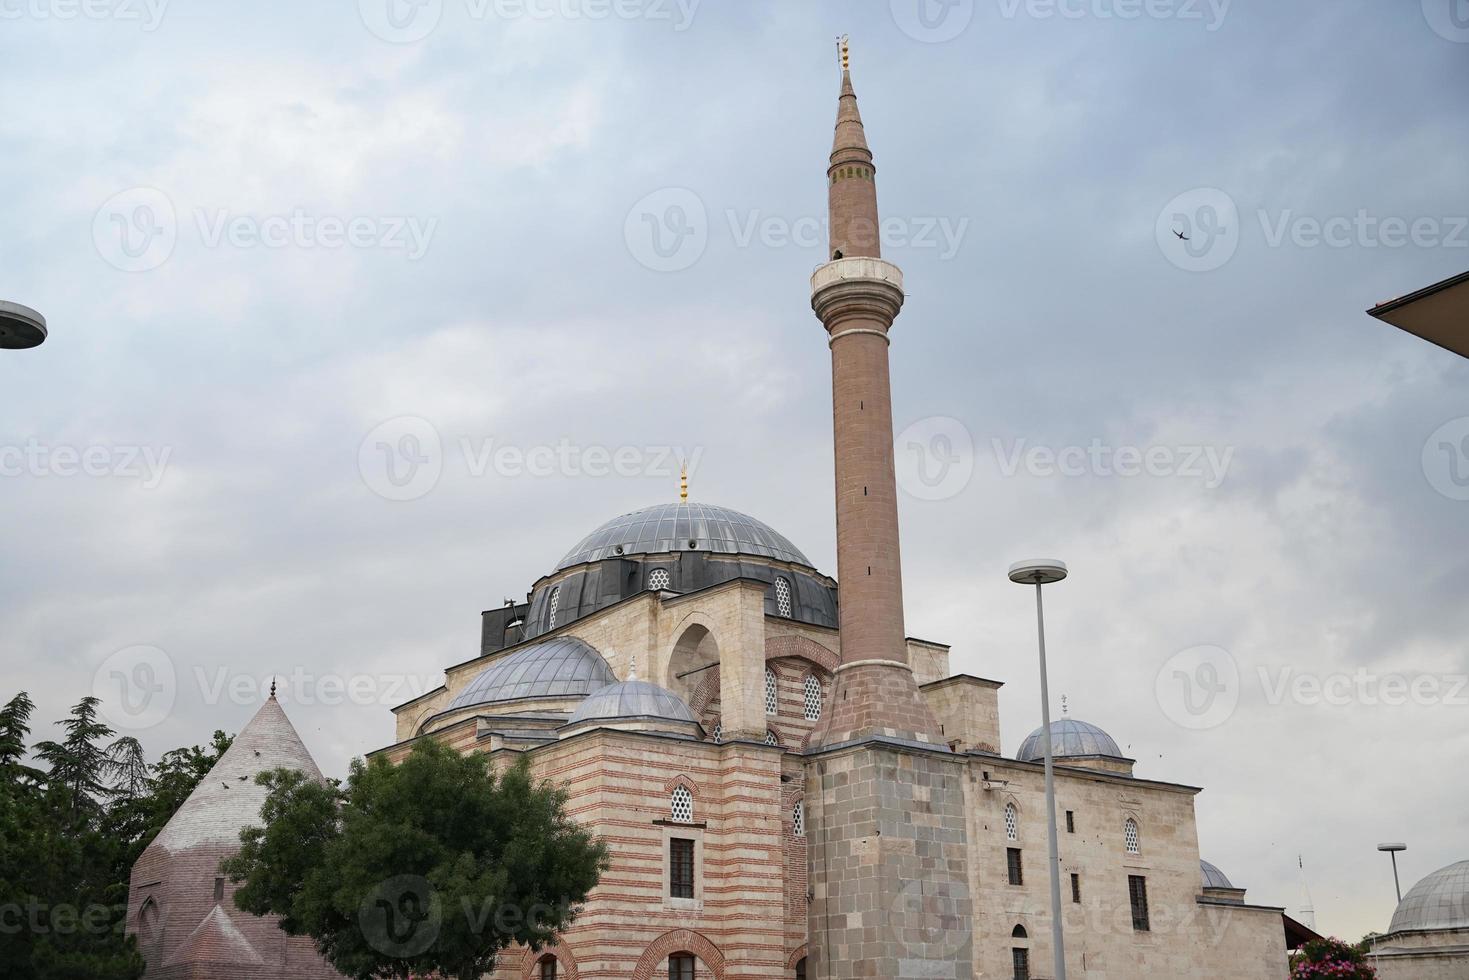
column 681, row 805
column 813, row 698
column 771, row 738
column 547, row 968
column 801, row 969
column 1129, row 834
column 783, row 597
column 1019, row 933
column 1012, row 822
column 555, row 603
column 772, row 698
column 798, row 819
column 681, row 966
column 659, row 579
column 148, row 917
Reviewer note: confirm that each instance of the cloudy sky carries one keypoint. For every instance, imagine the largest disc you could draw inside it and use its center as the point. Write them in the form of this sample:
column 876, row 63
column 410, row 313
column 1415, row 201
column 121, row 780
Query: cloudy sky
column 362, row 315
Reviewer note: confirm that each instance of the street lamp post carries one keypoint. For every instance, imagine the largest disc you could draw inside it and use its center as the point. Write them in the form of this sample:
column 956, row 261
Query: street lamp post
column 1039, row 573
column 20, row 327
column 1393, row 850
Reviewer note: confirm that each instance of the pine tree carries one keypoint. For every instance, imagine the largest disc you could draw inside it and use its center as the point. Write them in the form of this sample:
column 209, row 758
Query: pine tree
column 78, row 765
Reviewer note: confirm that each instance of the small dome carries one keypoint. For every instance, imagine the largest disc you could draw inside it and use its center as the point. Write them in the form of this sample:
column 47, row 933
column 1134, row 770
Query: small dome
column 1439, row 901
column 563, row 667
column 1069, row 737
column 1213, row 877
column 672, row 527
column 632, row 699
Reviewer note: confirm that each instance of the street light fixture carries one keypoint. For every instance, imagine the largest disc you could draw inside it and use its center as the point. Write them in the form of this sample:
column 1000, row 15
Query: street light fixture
column 1393, row 850
column 1039, row 573
column 20, row 327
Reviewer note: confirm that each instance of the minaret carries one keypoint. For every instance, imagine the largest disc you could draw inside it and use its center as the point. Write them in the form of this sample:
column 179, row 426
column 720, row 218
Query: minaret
column 857, row 296
column 887, row 837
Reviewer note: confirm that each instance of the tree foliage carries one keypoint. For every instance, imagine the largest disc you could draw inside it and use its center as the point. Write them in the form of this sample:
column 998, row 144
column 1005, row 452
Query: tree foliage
column 69, row 834
column 435, row 865
column 1322, row 958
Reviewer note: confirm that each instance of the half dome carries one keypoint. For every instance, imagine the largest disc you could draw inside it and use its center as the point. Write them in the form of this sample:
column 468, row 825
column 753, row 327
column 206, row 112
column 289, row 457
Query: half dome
column 1439, row 901
column 633, row 699
column 1070, row 738
column 562, row 667
column 683, row 526
column 1213, row 877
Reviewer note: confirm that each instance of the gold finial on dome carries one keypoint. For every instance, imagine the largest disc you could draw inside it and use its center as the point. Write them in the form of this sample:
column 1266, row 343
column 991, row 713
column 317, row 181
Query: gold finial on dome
column 683, row 481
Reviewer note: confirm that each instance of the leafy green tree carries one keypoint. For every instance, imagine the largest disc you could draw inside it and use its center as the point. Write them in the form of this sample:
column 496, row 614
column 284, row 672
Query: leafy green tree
column 435, row 865
column 68, row 839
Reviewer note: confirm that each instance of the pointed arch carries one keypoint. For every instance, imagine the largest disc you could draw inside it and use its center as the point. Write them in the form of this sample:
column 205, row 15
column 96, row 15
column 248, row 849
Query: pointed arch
column 566, row 967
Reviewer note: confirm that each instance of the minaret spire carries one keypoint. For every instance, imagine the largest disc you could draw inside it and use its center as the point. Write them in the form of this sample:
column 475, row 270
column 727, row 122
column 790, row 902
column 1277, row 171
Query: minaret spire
column 852, row 177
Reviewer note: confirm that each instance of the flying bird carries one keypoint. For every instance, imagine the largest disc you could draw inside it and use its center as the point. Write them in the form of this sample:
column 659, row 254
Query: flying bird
column 1182, row 236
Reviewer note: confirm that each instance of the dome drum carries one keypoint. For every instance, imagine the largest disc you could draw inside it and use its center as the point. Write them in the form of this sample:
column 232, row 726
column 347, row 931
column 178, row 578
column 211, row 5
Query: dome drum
column 1079, row 744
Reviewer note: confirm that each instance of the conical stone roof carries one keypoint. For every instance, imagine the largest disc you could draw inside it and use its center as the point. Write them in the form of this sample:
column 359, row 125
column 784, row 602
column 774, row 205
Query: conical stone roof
column 228, row 799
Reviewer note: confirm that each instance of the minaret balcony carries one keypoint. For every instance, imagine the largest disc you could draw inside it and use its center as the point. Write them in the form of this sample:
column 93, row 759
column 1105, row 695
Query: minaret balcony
column 861, row 286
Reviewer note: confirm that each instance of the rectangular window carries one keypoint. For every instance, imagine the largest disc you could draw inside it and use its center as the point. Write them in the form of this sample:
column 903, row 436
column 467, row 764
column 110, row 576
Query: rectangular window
column 1070, row 822
column 1021, row 959
column 1076, row 889
column 548, row 969
column 219, row 889
column 1012, row 857
column 680, row 868
column 1137, row 891
column 681, row 967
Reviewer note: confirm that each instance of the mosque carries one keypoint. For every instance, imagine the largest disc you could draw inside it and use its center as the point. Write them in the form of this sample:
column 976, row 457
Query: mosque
column 790, row 785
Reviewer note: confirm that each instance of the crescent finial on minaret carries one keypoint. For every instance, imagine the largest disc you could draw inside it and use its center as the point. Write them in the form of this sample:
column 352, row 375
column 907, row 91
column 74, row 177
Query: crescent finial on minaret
column 683, row 481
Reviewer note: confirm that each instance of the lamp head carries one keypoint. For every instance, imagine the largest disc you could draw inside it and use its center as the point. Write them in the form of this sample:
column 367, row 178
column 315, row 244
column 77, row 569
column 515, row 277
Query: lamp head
column 1038, row 571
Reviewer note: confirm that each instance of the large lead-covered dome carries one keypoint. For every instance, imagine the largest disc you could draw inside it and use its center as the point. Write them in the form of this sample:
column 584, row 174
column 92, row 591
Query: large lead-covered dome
column 1069, row 737
column 1439, row 901
column 562, row 667
column 683, row 526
